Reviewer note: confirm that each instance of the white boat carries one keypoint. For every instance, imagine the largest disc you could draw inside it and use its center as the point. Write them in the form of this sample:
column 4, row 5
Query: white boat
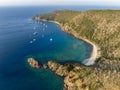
column 34, row 33
column 51, row 39
column 34, row 39
column 31, row 41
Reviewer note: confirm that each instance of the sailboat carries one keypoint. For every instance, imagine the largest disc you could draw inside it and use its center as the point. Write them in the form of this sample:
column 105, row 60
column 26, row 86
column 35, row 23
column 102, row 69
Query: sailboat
column 34, row 33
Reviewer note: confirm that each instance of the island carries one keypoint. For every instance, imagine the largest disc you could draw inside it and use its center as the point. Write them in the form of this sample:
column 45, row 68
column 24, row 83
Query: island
column 33, row 63
column 36, row 64
column 99, row 28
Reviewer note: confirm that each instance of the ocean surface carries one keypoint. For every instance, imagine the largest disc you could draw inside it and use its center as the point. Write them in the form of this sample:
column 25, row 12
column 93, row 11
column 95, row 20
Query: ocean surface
column 21, row 38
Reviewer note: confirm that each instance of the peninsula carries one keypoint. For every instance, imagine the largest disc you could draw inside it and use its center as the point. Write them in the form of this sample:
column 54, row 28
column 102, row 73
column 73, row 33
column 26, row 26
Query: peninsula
column 101, row 29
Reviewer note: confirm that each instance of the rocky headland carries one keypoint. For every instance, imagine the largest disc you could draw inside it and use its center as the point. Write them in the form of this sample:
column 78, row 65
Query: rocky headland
column 81, row 77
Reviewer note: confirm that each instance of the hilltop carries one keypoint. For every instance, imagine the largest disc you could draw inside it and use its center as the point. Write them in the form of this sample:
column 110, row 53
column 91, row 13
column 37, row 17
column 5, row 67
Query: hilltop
column 101, row 27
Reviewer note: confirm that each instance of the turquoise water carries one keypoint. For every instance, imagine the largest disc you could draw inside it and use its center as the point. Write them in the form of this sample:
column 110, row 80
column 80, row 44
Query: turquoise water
column 54, row 44
column 21, row 37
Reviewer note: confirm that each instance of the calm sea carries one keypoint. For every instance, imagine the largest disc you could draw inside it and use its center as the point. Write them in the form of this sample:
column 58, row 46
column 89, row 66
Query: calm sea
column 21, row 38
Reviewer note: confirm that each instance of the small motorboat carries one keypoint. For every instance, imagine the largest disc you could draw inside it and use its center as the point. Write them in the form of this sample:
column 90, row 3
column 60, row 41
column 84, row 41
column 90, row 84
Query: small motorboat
column 31, row 41
column 51, row 39
column 35, row 33
column 34, row 39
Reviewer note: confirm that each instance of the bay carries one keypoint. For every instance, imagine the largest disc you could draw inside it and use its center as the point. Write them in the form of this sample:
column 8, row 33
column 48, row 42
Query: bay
column 21, row 38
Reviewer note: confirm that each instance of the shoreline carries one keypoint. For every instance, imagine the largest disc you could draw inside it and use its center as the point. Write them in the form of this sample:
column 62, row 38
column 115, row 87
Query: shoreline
column 95, row 50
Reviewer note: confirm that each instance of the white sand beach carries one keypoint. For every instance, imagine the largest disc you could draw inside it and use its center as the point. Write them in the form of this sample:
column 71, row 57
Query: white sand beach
column 95, row 50
column 94, row 54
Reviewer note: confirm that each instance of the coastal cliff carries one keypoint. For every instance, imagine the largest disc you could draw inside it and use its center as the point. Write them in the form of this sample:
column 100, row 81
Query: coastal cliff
column 102, row 27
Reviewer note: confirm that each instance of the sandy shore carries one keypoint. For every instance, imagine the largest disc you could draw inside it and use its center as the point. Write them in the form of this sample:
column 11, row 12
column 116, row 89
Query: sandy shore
column 95, row 50
column 94, row 55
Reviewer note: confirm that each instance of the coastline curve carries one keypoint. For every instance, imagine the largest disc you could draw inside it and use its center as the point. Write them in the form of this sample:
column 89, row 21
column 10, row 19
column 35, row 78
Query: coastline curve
column 95, row 49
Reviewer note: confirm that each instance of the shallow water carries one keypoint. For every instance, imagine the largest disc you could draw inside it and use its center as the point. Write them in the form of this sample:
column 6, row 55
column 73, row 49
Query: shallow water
column 21, row 38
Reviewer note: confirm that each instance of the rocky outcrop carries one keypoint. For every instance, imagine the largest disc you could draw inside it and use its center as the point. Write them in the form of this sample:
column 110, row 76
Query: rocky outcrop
column 81, row 77
column 61, row 70
column 33, row 63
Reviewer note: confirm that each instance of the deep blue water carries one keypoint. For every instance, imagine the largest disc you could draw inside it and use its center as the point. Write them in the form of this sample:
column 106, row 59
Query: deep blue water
column 21, row 37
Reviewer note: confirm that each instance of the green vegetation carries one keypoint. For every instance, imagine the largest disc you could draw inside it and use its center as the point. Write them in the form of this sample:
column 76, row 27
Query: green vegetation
column 103, row 28
column 104, row 75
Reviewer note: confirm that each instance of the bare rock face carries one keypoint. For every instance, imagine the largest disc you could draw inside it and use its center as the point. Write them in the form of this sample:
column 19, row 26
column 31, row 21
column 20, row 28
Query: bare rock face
column 33, row 63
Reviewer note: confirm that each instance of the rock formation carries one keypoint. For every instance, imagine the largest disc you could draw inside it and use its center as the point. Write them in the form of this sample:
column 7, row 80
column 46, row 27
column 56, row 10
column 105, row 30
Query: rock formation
column 33, row 63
